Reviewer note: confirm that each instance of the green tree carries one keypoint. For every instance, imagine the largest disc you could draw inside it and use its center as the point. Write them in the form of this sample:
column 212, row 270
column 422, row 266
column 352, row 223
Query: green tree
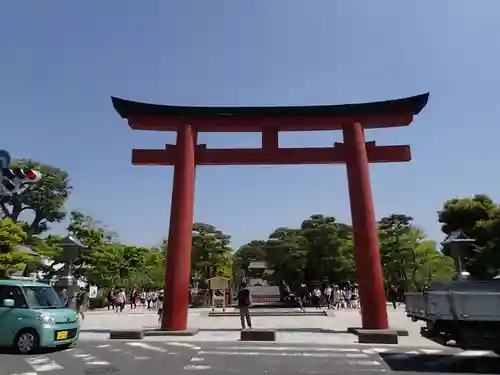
column 153, row 273
column 409, row 261
column 321, row 248
column 211, row 254
column 11, row 236
column 48, row 248
column 45, row 201
column 252, row 251
column 102, row 263
column 478, row 217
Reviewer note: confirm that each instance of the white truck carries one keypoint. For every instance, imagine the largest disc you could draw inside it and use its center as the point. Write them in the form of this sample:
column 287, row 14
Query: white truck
column 466, row 312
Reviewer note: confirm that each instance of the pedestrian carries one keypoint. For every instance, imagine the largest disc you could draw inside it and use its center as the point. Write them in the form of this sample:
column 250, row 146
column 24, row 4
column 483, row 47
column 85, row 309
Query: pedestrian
column 160, row 308
column 133, row 299
column 111, row 300
column 120, row 300
column 392, row 295
column 302, row 295
column 244, row 303
column 328, row 296
column 63, row 296
column 80, row 302
column 316, row 297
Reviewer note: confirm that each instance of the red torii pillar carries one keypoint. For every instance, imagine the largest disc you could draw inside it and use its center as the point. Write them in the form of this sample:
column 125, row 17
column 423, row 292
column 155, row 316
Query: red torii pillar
column 178, row 267
column 369, row 269
column 354, row 152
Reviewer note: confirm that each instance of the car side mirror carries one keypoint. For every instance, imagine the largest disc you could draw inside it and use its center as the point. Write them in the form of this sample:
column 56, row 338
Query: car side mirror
column 9, row 303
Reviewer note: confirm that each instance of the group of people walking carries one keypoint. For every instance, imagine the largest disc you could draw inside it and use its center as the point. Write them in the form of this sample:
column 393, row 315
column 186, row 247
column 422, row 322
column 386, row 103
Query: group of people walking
column 146, row 299
column 331, row 296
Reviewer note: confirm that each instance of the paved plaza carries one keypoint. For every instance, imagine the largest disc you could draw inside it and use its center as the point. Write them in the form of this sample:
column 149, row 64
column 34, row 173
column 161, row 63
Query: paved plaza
column 299, row 329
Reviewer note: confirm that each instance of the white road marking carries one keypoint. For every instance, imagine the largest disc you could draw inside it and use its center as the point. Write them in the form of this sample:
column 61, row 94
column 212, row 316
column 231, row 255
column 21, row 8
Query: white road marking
column 83, row 356
column 197, row 359
column 98, row 363
column 365, row 363
column 375, row 350
column 27, row 373
column 42, row 363
column 197, row 367
column 413, row 352
column 181, row 344
column 473, row 353
column 147, row 347
column 141, row 358
column 290, row 348
column 102, row 346
column 285, row 354
column 116, row 350
column 431, row 351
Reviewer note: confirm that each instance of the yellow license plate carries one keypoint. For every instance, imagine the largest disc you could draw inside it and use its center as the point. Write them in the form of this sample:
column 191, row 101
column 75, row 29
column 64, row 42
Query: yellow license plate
column 62, row 335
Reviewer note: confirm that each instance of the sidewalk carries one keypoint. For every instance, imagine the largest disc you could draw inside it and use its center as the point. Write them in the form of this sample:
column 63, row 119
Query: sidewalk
column 318, row 329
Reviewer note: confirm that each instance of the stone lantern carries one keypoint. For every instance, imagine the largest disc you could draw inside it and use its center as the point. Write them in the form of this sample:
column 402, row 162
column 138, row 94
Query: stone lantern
column 71, row 250
column 458, row 243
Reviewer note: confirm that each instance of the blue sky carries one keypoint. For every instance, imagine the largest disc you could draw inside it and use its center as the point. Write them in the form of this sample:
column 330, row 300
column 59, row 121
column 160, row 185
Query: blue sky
column 61, row 61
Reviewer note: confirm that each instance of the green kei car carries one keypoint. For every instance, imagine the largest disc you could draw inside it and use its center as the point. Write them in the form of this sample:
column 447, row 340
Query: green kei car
column 32, row 316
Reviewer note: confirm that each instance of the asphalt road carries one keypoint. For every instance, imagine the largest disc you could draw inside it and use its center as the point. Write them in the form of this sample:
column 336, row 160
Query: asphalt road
column 160, row 357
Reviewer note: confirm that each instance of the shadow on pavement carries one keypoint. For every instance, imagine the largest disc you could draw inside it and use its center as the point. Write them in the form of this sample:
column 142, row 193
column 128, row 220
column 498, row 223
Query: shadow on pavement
column 486, row 364
column 12, row 351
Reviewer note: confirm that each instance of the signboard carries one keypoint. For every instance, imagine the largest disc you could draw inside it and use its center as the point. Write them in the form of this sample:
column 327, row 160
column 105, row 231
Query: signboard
column 93, row 291
column 219, row 282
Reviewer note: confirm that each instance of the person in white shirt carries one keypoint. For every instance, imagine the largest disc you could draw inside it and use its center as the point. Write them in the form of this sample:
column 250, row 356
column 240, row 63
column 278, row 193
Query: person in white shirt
column 328, row 296
column 120, row 300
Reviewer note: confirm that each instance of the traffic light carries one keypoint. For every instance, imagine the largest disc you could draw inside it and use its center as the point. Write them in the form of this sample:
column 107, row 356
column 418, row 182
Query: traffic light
column 17, row 180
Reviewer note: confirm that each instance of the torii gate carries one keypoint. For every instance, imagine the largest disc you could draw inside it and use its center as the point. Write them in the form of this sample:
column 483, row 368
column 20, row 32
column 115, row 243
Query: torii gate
column 354, row 152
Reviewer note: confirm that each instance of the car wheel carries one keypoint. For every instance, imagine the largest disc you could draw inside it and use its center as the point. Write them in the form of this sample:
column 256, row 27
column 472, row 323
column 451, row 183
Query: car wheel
column 26, row 341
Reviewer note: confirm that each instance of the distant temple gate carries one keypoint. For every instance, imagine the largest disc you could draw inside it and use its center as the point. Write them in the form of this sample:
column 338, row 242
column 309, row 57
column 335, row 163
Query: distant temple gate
column 354, row 152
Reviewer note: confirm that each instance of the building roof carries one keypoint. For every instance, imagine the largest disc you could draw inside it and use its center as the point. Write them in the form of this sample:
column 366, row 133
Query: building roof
column 70, row 241
column 128, row 109
column 26, row 249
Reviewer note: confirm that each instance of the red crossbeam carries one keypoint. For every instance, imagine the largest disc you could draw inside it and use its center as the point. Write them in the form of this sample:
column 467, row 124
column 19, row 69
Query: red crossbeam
column 280, row 156
column 257, row 124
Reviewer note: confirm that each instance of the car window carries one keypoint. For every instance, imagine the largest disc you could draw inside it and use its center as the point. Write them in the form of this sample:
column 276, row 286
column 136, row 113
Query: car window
column 15, row 293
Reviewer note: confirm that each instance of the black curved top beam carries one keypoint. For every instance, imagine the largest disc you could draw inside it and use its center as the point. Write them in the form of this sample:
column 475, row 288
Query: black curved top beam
column 127, row 109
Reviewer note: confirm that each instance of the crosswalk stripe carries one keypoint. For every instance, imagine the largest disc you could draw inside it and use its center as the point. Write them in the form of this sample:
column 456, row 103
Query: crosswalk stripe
column 43, row 363
column 181, row 344
column 284, row 354
column 431, row 351
column 365, row 363
column 89, row 359
column 291, row 348
column 197, row 367
column 98, row 363
column 143, row 345
column 197, row 359
column 473, row 353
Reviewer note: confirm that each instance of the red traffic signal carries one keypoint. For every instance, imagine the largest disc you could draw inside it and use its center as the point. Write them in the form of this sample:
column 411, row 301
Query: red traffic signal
column 30, row 174
column 20, row 173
